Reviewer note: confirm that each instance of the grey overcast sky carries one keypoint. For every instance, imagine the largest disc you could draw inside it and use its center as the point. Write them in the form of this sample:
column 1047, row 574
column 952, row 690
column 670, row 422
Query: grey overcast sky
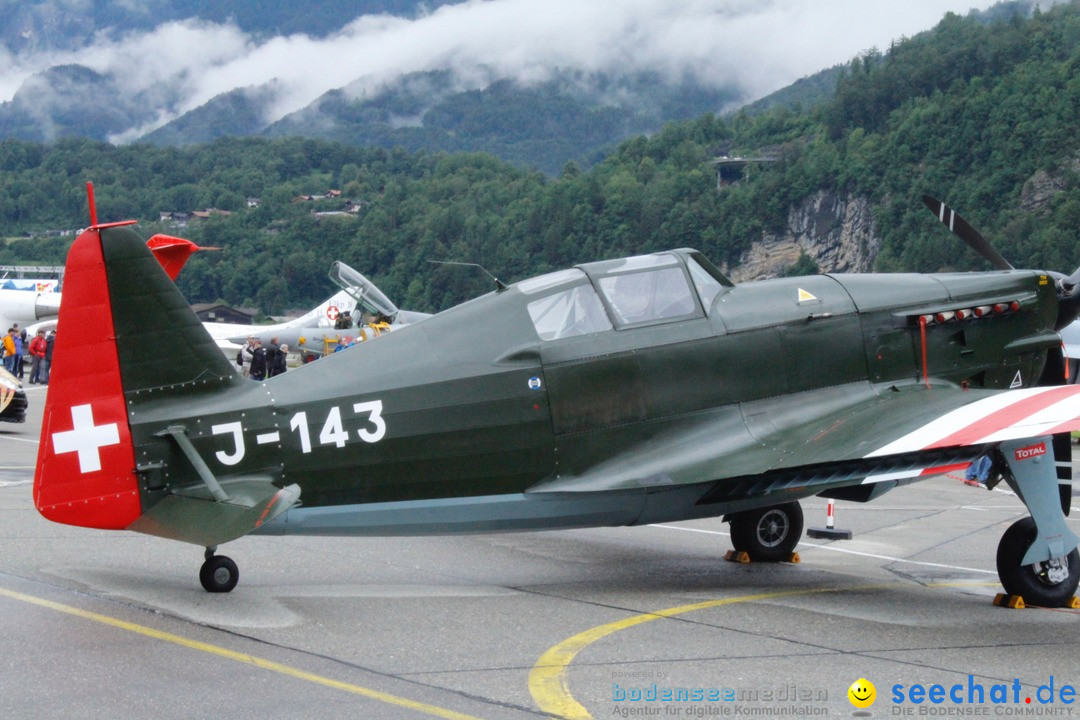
column 756, row 45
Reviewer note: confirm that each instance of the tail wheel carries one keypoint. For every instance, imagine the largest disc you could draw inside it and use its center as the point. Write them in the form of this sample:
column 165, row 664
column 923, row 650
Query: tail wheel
column 219, row 574
column 1051, row 583
column 768, row 534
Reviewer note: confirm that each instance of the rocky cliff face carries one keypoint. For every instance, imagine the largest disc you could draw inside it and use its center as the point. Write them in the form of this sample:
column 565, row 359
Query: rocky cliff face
column 1041, row 188
column 837, row 232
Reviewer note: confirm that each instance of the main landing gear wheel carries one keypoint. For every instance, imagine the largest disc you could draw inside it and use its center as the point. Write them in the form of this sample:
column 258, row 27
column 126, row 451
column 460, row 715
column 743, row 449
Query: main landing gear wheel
column 1051, row 583
column 219, row 574
column 768, row 534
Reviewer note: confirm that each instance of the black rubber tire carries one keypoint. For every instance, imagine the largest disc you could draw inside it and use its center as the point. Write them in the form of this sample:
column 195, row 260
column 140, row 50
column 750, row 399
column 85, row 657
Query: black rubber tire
column 1030, row 581
column 768, row 534
column 219, row 574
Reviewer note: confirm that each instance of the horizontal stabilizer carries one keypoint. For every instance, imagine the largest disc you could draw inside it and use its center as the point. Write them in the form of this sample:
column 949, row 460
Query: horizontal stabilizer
column 197, row 518
column 172, row 252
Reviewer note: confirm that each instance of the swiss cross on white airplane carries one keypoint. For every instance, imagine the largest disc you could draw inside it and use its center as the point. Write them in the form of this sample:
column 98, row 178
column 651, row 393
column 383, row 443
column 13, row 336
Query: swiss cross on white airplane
column 86, row 438
column 332, row 312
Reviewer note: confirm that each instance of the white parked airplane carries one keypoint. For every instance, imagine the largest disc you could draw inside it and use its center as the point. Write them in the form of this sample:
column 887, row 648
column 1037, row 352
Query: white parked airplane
column 27, row 307
column 231, row 336
column 311, row 331
column 316, row 332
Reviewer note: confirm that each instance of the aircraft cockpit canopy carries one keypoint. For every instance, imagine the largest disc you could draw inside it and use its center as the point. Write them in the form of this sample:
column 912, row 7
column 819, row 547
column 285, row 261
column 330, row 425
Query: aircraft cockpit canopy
column 620, row 294
column 368, row 297
column 574, row 310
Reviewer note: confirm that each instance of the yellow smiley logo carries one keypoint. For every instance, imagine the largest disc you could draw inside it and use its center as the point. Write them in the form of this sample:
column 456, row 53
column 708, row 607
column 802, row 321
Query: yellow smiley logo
column 862, row 693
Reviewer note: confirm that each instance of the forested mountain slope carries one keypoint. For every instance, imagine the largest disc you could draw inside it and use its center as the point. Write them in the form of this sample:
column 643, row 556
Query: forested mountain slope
column 982, row 115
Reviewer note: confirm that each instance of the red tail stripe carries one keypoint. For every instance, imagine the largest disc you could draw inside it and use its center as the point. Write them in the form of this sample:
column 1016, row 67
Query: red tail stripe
column 1070, row 426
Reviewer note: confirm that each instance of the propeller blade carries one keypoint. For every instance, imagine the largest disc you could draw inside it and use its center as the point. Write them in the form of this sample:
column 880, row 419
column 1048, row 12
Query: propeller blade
column 1068, row 307
column 960, row 227
column 1072, row 281
column 1068, row 296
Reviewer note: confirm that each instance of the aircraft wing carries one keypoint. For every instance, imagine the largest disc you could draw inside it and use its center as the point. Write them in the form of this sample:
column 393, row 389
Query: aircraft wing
column 832, row 438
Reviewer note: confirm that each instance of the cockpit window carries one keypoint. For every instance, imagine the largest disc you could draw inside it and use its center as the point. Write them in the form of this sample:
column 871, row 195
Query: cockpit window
column 640, row 297
column 642, row 262
column 707, row 286
column 546, row 282
column 574, row 311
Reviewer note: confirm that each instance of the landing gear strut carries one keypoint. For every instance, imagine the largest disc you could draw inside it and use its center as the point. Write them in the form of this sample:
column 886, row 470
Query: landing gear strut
column 767, row 534
column 1037, row 558
column 1049, row 583
column 219, row 574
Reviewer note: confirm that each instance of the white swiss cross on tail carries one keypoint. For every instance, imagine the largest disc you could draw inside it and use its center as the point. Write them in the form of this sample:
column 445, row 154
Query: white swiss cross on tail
column 86, row 438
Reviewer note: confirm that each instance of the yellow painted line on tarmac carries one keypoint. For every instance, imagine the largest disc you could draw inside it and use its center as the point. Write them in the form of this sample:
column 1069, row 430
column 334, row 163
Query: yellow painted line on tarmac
column 239, row 657
column 548, row 681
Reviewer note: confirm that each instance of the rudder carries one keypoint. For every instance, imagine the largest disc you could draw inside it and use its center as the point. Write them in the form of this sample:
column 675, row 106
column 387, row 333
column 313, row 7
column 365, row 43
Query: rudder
column 124, row 333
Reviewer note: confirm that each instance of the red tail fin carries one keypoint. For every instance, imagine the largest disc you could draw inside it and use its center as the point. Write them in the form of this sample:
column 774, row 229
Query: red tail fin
column 86, row 463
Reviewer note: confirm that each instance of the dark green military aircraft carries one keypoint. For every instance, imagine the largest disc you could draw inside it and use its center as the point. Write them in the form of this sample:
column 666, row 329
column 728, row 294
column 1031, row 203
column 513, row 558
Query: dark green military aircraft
column 623, row 392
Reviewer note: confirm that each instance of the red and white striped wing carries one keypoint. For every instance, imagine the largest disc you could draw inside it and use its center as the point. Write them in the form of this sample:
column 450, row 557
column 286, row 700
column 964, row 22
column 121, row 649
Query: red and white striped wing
column 1005, row 416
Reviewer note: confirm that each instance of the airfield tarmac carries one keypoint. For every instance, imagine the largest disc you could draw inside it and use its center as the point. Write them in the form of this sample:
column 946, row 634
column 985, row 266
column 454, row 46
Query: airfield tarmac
column 100, row 624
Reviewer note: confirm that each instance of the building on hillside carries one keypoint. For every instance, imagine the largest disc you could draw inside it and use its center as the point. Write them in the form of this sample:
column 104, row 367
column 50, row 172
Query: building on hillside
column 732, row 170
column 222, row 313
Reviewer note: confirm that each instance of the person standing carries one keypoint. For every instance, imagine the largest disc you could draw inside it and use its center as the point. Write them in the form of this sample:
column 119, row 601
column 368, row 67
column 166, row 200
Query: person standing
column 246, row 354
column 271, row 355
column 258, row 362
column 20, row 346
column 9, row 350
column 278, row 366
column 37, row 354
column 46, row 362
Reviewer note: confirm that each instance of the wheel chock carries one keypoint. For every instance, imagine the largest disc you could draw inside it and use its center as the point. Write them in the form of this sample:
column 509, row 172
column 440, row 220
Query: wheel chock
column 741, row 556
column 1014, row 602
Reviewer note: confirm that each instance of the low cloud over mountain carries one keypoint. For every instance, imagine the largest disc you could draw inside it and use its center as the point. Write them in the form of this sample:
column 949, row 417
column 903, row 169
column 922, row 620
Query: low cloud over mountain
column 751, row 45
